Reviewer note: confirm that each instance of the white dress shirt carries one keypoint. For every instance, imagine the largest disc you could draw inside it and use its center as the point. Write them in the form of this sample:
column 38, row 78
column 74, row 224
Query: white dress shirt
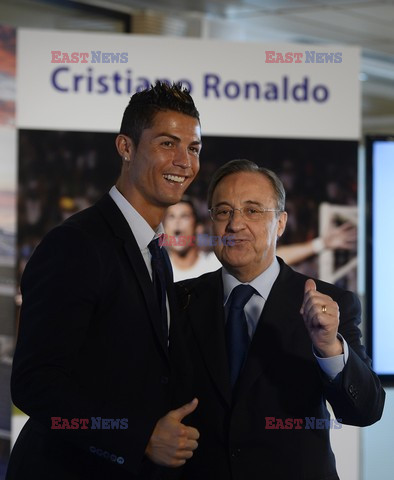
column 140, row 228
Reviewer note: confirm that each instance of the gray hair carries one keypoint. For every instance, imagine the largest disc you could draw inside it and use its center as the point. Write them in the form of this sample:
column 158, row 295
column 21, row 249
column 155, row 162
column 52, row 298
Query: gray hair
column 243, row 165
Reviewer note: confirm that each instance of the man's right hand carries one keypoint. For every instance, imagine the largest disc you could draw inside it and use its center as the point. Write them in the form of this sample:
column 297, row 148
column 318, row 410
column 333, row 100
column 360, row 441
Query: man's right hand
column 172, row 443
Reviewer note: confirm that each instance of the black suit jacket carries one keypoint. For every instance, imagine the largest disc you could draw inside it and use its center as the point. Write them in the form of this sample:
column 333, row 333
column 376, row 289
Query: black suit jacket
column 280, row 380
column 89, row 345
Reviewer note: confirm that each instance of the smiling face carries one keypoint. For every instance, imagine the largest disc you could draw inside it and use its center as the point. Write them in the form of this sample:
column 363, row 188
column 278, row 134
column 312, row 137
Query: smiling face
column 254, row 242
column 159, row 170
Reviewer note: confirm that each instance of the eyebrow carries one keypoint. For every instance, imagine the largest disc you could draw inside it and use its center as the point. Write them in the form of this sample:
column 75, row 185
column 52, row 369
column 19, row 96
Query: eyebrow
column 247, row 202
column 177, row 139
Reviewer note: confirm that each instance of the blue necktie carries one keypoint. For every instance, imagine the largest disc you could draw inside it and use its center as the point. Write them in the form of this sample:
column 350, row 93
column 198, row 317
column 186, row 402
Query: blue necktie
column 237, row 336
column 159, row 284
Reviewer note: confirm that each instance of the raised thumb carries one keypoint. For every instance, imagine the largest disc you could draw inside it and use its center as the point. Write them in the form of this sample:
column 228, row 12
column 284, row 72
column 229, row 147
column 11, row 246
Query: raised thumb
column 310, row 285
column 181, row 412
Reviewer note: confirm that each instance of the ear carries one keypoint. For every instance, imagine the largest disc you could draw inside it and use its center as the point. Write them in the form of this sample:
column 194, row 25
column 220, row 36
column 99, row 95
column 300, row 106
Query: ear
column 282, row 220
column 124, row 145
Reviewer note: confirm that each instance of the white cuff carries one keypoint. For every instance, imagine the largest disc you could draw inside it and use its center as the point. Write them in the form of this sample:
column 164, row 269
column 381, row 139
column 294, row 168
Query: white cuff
column 332, row 366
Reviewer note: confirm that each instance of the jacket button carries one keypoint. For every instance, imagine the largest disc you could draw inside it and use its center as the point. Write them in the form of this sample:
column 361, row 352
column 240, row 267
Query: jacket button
column 164, row 380
column 353, row 391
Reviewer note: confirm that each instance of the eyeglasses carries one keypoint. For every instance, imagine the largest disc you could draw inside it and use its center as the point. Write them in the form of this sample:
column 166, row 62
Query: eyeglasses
column 224, row 214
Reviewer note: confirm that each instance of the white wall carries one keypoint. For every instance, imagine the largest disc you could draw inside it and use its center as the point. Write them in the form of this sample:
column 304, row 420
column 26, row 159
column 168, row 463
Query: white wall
column 377, row 445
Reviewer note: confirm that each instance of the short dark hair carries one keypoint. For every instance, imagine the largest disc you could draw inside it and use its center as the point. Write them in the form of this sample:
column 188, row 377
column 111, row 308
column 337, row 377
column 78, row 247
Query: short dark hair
column 144, row 105
column 189, row 201
column 243, row 165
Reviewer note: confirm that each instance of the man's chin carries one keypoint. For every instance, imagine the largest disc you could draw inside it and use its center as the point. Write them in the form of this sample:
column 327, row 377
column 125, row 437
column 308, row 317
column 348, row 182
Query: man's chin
column 237, row 255
column 234, row 263
column 171, row 198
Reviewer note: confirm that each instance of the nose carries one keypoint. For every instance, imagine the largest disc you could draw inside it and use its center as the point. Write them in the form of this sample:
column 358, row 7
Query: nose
column 236, row 221
column 182, row 158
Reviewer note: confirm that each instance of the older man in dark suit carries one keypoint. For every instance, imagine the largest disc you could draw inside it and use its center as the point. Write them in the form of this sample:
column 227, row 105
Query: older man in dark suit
column 92, row 364
column 269, row 346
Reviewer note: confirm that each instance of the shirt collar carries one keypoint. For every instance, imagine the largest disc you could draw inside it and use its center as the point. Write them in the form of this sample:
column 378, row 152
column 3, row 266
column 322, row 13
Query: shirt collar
column 141, row 229
column 262, row 283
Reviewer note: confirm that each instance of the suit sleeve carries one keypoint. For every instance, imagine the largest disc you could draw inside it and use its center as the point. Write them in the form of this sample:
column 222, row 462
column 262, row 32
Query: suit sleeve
column 356, row 395
column 61, row 288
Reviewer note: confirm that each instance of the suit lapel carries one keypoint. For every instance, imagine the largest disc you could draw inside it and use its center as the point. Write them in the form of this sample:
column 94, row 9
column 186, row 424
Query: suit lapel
column 275, row 328
column 206, row 314
column 122, row 230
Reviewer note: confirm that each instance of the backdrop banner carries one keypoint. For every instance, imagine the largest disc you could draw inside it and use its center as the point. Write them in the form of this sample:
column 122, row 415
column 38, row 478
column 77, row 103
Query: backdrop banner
column 66, row 79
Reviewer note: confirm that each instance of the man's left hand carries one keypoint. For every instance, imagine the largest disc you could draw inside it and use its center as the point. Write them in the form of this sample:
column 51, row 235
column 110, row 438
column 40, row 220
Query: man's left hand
column 321, row 317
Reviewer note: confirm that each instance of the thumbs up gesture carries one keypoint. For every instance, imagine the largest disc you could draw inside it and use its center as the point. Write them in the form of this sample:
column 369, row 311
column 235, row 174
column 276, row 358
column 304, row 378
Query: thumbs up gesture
column 321, row 317
column 171, row 442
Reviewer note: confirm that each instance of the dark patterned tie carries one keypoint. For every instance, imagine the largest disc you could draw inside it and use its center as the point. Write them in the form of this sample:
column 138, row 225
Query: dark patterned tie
column 159, row 284
column 237, row 336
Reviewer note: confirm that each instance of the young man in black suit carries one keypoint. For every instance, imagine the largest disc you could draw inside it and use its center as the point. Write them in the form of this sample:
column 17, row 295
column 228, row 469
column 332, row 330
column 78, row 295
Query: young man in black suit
column 269, row 346
column 92, row 364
